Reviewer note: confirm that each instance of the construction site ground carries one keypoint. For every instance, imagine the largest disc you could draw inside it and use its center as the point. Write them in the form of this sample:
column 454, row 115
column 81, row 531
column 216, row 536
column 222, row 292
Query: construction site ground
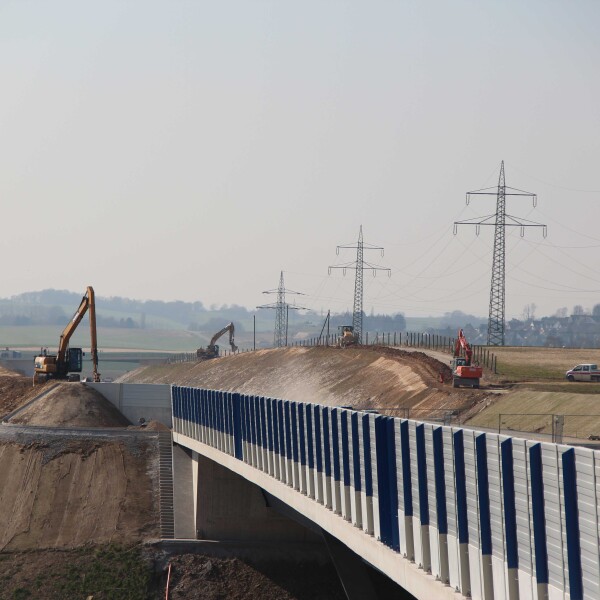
column 392, row 380
column 528, row 389
column 79, row 510
column 75, row 506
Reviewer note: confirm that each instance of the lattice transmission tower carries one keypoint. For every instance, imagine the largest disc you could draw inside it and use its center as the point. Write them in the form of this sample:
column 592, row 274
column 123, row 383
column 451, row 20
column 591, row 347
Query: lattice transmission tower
column 500, row 220
column 359, row 266
column 282, row 309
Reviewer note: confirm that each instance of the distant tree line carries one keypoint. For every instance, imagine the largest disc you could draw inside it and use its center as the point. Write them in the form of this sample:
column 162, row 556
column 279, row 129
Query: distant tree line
column 55, row 307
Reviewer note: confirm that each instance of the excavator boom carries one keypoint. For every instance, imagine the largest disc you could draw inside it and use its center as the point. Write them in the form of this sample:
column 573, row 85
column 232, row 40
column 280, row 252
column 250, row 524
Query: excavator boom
column 217, row 335
column 212, row 350
column 461, row 342
column 58, row 366
column 463, row 372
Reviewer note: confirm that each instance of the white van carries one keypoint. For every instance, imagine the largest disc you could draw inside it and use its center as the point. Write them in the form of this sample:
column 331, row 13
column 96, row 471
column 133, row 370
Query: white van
column 586, row 372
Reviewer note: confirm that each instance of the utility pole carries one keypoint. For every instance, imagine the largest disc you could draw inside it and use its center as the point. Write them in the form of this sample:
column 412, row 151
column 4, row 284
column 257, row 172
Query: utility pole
column 500, row 220
column 359, row 266
column 281, row 312
column 325, row 324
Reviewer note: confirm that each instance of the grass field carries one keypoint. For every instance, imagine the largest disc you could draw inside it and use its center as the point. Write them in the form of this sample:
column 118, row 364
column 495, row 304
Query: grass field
column 541, row 392
column 522, row 364
column 169, row 340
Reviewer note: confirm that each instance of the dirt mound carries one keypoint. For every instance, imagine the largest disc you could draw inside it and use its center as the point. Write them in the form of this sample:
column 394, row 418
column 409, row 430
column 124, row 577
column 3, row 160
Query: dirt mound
column 209, row 578
column 137, row 573
column 71, row 405
column 391, row 380
column 15, row 390
column 56, row 493
column 151, row 425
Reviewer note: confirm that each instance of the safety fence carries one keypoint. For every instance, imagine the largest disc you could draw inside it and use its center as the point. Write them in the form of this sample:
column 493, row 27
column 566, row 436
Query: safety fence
column 185, row 357
column 492, row 516
column 556, row 426
column 481, row 354
column 446, row 416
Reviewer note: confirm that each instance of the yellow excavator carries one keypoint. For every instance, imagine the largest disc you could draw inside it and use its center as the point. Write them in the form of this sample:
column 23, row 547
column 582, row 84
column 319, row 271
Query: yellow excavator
column 346, row 336
column 67, row 363
column 212, row 350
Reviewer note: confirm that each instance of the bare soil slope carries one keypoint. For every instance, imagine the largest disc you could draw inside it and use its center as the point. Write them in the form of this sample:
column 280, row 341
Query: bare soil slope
column 368, row 377
column 59, row 493
column 71, row 405
column 15, row 390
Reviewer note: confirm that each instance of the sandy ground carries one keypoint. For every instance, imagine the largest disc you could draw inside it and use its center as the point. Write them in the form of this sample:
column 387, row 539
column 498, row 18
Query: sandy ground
column 56, row 493
column 390, row 380
column 15, row 390
column 71, row 405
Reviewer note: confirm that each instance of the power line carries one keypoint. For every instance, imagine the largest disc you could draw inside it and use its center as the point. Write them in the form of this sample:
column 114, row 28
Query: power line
column 554, row 185
column 359, row 266
column 500, row 220
column 282, row 309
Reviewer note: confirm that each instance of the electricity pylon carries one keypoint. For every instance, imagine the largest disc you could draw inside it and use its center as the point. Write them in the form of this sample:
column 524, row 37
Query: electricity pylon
column 359, row 266
column 500, row 220
column 281, row 312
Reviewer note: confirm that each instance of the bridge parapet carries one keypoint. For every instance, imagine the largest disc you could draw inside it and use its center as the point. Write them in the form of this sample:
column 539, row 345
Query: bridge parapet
column 490, row 516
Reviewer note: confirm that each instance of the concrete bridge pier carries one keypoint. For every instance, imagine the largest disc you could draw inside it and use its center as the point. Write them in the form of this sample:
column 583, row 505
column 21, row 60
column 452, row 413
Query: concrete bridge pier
column 213, row 503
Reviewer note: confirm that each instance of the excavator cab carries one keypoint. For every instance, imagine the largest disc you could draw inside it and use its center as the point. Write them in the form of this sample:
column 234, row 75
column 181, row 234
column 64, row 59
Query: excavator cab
column 74, row 360
column 464, row 373
column 67, row 363
column 212, row 350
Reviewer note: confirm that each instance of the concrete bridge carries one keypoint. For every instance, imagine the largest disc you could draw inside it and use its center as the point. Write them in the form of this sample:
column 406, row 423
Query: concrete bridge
column 444, row 512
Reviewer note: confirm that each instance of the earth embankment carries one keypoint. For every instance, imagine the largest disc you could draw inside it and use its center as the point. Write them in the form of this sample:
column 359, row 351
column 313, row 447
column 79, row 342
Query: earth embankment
column 70, row 405
column 387, row 379
column 59, row 493
column 63, row 488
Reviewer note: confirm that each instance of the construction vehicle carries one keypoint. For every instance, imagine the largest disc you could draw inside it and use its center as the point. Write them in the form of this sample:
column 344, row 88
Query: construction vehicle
column 347, row 337
column 212, row 350
column 463, row 372
column 67, row 362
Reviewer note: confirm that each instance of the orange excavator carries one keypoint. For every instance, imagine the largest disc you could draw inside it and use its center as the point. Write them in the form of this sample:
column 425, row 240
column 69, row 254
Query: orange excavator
column 463, row 372
column 67, row 363
column 212, row 350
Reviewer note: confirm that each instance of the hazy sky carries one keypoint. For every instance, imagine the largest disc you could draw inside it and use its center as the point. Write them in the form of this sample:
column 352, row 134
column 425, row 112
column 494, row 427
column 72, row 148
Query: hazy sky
column 193, row 150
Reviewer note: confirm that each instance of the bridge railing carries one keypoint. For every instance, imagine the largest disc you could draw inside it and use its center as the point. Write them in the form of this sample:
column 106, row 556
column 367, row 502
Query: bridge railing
column 492, row 516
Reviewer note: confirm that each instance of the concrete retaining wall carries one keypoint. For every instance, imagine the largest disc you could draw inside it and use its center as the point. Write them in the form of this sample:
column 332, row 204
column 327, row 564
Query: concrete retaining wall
column 138, row 401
